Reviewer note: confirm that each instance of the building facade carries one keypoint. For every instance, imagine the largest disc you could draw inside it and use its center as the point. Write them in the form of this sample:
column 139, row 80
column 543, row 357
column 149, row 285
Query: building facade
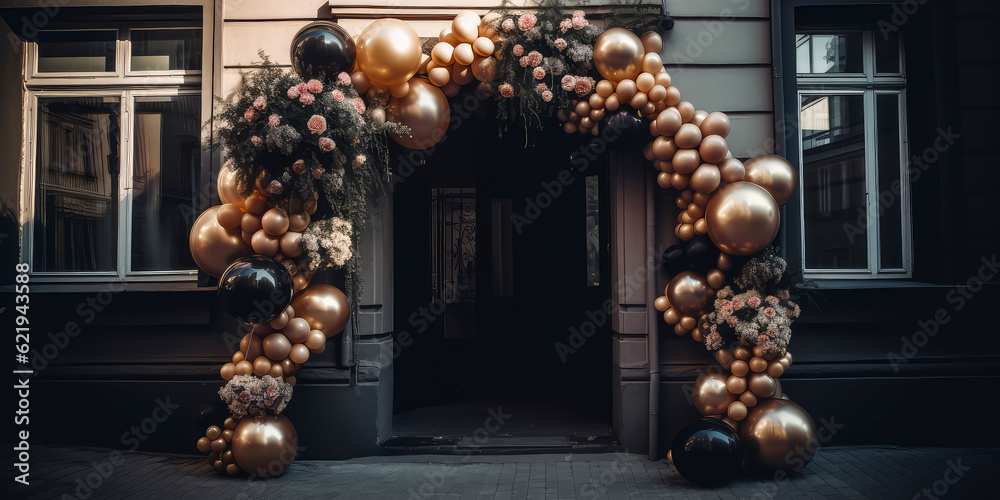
column 883, row 106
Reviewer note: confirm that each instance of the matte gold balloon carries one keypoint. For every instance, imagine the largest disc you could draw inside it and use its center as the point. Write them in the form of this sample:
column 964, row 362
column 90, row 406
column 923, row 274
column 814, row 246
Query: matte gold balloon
column 244, row 368
column 740, row 368
column 774, row 174
column 775, row 369
column 688, row 136
column 688, row 323
column 688, row 293
column 274, row 222
column 705, row 179
column 652, row 64
column 265, row 244
column 605, row 88
column 732, row 170
column 299, row 354
column 483, row 46
column 663, row 148
column 742, row 353
column 618, row 54
column 713, row 149
column 389, row 52
column 710, row 396
column 297, row 330
column 276, row 370
column 425, row 110
column 761, row 384
column 237, row 357
column 484, row 69
column 738, row 411
column 443, row 53
column 230, row 216
column 686, row 161
column 716, row 124
column 611, row 103
column 229, row 191
column 626, row 90
column 671, row 317
column 778, row 435
column 661, row 304
column 228, row 371
column 758, row 364
column 276, row 347
column 657, row 94
column 464, row 54
column 256, row 203
column 213, row 246
column 669, row 121
column 465, row 29
column 725, row 358
column 639, row 100
column 748, row 398
column 460, row 75
column 673, row 96
column 315, row 341
column 736, row 385
column 652, row 42
column 290, row 244
column 218, row 445
column 213, row 432
column 742, row 218
column 204, row 444
column 261, row 366
column 324, row 307
column 265, row 445
column 645, row 81
column 360, row 82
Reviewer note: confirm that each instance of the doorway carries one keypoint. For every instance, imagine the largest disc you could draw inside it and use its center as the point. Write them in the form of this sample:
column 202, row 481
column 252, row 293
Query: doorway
column 500, row 254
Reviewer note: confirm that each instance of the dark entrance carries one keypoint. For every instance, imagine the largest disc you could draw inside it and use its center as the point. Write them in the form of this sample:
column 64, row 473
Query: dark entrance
column 501, row 254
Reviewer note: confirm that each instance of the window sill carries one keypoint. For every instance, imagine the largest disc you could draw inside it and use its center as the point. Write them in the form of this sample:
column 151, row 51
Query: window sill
column 870, row 284
column 116, row 286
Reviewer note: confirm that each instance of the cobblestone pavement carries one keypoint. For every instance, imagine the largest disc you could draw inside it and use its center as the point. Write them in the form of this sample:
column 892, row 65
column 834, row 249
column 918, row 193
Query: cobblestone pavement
column 836, row 472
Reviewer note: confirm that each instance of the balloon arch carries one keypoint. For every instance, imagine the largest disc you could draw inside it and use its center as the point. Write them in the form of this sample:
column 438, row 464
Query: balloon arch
column 299, row 147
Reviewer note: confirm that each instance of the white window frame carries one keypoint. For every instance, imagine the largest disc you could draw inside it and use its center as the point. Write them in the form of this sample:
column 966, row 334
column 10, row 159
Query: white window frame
column 126, row 85
column 870, row 84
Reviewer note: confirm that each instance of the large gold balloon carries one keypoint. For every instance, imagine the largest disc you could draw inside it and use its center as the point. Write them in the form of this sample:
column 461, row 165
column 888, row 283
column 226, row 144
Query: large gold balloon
column 710, row 396
column 324, row 307
column 213, row 246
column 742, row 218
column 265, row 445
column 688, row 293
column 778, row 435
column 389, row 52
column 774, row 174
column 618, row 55
column 425, row 110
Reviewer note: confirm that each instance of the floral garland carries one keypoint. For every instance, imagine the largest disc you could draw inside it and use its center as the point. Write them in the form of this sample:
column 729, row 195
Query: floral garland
column 250, row 395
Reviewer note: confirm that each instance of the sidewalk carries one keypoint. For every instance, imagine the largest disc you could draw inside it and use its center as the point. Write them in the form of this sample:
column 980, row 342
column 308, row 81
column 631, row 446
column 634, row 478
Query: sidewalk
column 836, row 472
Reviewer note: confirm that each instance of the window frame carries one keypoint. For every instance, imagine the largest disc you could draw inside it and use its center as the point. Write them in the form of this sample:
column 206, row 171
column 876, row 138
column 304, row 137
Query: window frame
column 870, row 85
column 126, row 85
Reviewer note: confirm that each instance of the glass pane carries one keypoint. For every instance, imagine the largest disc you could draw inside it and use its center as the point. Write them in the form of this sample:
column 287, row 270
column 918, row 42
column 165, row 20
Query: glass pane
column 833, row 154
column 76, row 51
column 890, row 227
column 164, row 181
column 453, row 245
column 829, row 53
column 593, row 232
column 76, row 203
column 886, row 52
column 166, row 49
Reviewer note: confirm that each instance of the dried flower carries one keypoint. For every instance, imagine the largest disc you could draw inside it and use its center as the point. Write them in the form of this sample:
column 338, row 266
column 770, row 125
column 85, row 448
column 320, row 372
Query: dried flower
column 568, row 82
column 302, row 87
column 299, row 166
column 541, row 87
column 359, row 104
column 538, row 73
column 343, row 78
column 326, row 144
column 359, row 160
column 260, row 103
column 566, row 25
column 534, row 58
column 275, row 188
column 579, row 13
column 560, row 44
column 507, row 25
column 338, row 96
column 316, row 124
column 250, row 395
column 579, row 23
column 583, row 86
column 314, row 86
column 257, row 141
column 753, row 301
column 327, row 243
column 307, row 98
column 518, row 50
column 547, row 96
column 769, row 312
column 318, row 172
column 524, row 62
column 293, row 92
column 248, row 114
column 526, row 21
column 273, row 120
column 507, row 90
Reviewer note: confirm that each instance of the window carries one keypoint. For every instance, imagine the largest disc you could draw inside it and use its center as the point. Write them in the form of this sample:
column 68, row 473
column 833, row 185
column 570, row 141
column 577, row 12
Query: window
column 854, row 191
column 115, row 158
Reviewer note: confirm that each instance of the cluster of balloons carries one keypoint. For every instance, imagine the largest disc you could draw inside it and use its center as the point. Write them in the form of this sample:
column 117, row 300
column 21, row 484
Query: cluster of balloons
column 262, row 445
column 746, row 380
column 462, row 54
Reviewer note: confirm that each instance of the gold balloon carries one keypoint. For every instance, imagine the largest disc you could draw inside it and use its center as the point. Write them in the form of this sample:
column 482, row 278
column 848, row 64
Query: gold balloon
column 774, row 174
column 425, row 110
column 229, row 191
column 324, row 307
column 214, row 247
column 725, row 358
column 485, row 69
column 689, row 294
column 710, row 395
column 618, row 54
column 739, row 368
column 652, row 42
column 761, row 384
column 230, row 216
column 778, row 435
column 274, row 222
column 742, row 218
column 276, row 347
column 705, row 178
column 732, row 170
column 265, row 445
column 389, row 52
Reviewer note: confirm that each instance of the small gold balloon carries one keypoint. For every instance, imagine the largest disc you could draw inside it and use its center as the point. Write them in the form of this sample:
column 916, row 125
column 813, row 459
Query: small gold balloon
column 265, row 445
column 713, row 149
column 652, row 42
column 274, row 221
column 689, row 293
column 758, row 364
column 740, row 368
column 742, row 353
column 276, row 347
column 716, row 278
column 705, row 178
column 710, row 396
column 618, row 54
column 725, row 358
column 228, row 371
column 229, row 216
column 761, row 384
column 742, row 218
column 775, row 174
column 732, row 170
column 775, row 431
column 716, row 124
column 749, row 398
column 389, row 52
column 213, row 246
column 485, row 69
column 229, row 191
column 425, row 110
column 738, row 411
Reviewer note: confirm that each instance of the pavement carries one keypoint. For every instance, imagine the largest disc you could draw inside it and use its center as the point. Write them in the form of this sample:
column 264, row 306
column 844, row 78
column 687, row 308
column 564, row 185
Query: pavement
column 875, row 472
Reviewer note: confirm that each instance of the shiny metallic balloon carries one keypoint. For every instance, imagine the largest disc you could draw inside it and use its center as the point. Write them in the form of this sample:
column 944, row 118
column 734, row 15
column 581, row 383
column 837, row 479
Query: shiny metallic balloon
column 265, row 445
column 618, row 55
column 710, row 396
column 228, row 187
column 389, row 52
column 425, row 110
column 774, row 174
column 742, row 218
column 322, row 49
column 778, row 435
column 214, row 247
column 688, row 293
column 324, row 307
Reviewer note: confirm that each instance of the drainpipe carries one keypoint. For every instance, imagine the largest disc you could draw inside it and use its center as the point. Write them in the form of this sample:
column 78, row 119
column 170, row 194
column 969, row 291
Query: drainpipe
column 652, row 336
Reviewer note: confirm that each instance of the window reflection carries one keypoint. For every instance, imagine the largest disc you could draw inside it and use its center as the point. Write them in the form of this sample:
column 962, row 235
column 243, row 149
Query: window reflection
column 815, row 53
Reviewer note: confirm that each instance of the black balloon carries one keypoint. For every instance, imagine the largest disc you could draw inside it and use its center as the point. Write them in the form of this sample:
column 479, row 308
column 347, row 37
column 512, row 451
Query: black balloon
column 323, row 49
column 707, row 452
column 625, row 129
column 255, row 289
column 698, row 253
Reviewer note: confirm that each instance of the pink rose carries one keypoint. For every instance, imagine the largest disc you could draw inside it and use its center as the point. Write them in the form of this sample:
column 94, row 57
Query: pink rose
column 566, row 24
column 299, row 166
column 560, row 44
column 547, row 96
column 579, row 13
column 272, row 391
column 260, row 103
column 538, row 73
column 245, row 396
column 738, row 304
column 534, row 58
column 314, row 86
column 256, row 141
column 541, row 87
column 769, row 312
column 359, row 104
column 302, row 87
column 326, row 144
column 507, row 90
column 580, row 23
column 306, row 98
column 338, row 95
column 518, row 50
column 273, row 120
column 508, row 24
column 582, row 87
column 568, row 82
column 343, row 78
column 524, row 61
column 316, row 124
column 249, row 114
column 293, row 92
column 526, row 22
column 275, row 188
column 318, row 172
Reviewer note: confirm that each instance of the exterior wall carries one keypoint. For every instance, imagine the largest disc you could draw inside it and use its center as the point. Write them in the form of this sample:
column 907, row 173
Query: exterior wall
column 11, row 99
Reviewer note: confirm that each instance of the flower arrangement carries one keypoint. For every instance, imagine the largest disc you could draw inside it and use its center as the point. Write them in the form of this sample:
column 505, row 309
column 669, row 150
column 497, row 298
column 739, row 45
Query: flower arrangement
column 541, row 59
column 760, row 311
column 250, row 395
column 328, row 240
